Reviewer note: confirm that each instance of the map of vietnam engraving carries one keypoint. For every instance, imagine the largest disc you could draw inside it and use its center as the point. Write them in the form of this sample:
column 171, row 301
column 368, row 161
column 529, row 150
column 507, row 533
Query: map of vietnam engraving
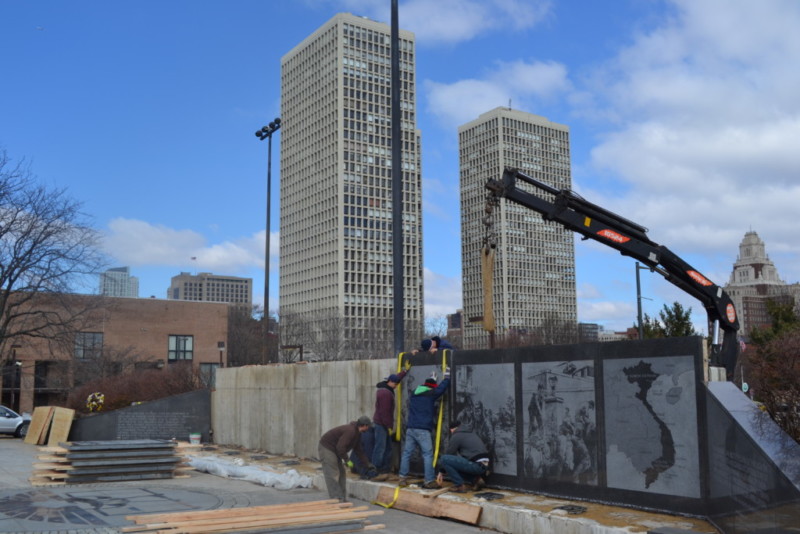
column 651, row 425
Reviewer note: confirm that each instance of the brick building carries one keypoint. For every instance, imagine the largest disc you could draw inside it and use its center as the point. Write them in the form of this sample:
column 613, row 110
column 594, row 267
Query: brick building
column 116, row 333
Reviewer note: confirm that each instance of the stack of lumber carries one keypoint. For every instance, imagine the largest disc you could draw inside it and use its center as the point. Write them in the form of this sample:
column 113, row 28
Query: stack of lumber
column 316, row 516
column 106, row 461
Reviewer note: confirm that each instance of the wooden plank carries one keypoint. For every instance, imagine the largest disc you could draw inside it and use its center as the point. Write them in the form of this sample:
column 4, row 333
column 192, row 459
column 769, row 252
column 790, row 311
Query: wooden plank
column 267, row 508
column 40, row 423
column 340, row 517
column 411, row 501
column 231, row 525
column 434, row 494
column 52, row 466
column 246, row 515
column 59, row 428
column 49, row 474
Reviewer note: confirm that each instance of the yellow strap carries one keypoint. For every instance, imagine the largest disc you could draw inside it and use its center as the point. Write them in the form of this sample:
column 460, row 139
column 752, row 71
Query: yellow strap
column 398, row 401
column 441, row 413
column 389, row 505
column 487, row 276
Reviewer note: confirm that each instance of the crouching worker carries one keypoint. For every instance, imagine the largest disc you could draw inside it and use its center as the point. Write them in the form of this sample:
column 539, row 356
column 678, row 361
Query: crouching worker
column 334, row 446
column 466, row 460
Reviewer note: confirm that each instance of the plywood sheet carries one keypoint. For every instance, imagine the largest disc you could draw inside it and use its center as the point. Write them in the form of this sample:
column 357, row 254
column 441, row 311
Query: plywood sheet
column 40, row 424
column 59, row 428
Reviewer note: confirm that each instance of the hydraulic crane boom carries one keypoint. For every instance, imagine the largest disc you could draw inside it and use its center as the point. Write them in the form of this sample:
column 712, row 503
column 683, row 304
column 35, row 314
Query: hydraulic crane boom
column 630, row 239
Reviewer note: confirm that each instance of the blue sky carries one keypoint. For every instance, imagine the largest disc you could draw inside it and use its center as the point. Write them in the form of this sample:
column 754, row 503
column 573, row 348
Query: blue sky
column 684, row 118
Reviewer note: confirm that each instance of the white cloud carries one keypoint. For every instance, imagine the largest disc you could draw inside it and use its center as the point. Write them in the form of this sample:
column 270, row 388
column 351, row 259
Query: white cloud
column 442, row 294
column 464, row 100
column 614, row 316
column 139, row 243
column 454, row 21
column 707, row 122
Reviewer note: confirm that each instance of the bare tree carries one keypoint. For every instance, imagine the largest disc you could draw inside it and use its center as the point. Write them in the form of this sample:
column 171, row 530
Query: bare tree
column 109, row 362
column 323, row 335
column 47, row 250
column 246, row 337
column 553, row 330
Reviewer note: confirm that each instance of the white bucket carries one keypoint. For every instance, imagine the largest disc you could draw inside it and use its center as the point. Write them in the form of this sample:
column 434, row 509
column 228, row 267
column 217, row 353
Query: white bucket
column 194, row 439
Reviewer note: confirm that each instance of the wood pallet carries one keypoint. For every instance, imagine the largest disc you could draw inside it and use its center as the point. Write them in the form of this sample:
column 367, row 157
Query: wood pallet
column 107, row 461
column 315, row 516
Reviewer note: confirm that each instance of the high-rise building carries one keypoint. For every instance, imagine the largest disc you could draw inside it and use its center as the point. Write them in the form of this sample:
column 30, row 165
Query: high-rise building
column 211, row 288
column 118, row 282
column 755, row 281
column 534, row 270
column 336, row 188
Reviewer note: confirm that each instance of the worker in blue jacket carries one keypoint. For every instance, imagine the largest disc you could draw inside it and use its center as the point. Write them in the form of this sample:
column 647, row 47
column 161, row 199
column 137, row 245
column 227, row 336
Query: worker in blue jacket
column 419, row 424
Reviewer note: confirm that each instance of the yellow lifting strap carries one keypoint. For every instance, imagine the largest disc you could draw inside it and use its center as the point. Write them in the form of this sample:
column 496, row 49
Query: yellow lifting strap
column 390, row 504
column 487, row 276
column 441, row 413
column 398, row 393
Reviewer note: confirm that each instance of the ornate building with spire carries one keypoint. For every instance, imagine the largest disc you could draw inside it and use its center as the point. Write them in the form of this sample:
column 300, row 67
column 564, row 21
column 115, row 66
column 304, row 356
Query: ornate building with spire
column 754, row 281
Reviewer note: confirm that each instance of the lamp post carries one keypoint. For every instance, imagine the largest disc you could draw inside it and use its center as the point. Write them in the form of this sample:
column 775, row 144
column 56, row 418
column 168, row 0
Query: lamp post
column 266, row 133
column 16, row 382
column 639, row 297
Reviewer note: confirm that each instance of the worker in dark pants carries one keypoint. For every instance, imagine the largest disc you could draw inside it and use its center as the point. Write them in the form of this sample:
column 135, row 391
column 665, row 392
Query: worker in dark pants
column 334, row 446
column 466, row 460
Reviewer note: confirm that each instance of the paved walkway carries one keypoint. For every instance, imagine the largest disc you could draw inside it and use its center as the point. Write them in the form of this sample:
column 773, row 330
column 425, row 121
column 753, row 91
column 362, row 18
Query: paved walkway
column 102, row 507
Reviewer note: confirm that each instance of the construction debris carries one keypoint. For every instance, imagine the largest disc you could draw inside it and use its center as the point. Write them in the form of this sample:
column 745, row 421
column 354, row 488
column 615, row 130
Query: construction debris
column 106, row 461
column 315, row 516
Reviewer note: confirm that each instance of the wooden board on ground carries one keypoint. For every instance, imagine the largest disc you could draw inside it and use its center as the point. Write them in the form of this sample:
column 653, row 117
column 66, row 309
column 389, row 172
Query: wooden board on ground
column 330, row 516
column 39, row 425
column 415, row 502
column 59, row 428
column 434, row 494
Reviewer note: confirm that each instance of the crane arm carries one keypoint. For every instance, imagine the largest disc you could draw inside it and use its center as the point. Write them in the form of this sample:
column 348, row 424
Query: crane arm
column 573, row 212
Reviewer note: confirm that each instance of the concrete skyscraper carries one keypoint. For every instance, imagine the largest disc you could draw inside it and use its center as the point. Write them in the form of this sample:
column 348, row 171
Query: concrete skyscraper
column 534, row 272
column 335, row 192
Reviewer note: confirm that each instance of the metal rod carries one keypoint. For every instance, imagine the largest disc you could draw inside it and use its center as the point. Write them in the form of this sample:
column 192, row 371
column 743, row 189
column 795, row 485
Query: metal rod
column 639, row 301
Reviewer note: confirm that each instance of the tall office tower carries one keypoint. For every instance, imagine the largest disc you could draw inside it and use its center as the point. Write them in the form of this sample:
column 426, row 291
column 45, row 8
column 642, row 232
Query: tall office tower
column 754, row 282
column 211, row 288
column 534, row 270
column 336, row 191
column 118, row 282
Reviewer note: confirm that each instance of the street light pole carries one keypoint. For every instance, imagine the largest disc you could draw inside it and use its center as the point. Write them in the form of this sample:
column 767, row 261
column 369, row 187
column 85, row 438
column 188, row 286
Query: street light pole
column 266, row 133
column 639, row 297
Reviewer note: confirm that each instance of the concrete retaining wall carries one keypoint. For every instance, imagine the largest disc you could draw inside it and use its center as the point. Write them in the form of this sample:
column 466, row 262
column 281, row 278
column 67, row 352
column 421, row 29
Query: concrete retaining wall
column 285, row 408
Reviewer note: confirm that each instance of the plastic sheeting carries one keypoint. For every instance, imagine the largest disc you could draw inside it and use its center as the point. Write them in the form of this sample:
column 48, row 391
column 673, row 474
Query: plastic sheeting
column 238, row 469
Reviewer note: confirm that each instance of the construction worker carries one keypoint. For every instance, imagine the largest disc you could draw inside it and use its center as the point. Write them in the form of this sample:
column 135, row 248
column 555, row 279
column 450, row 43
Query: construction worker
column 420, row 423
column 333, row 448
column 466, row 459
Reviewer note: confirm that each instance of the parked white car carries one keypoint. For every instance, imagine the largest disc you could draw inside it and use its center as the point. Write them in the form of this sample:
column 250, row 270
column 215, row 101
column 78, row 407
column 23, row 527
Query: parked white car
column 13, row 423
